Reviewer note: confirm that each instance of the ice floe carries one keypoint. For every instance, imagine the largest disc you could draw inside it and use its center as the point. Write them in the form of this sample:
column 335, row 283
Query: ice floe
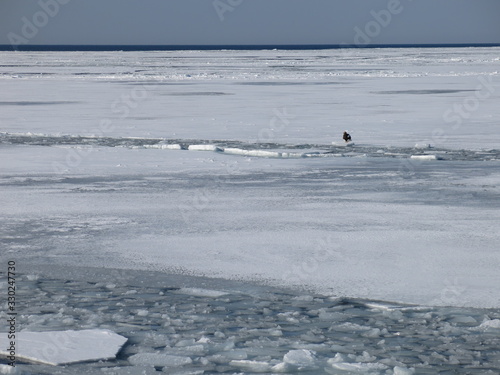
column 204, row 148
column 65, row 347
column 164, row 146
column 494, row 324
column 425, row 157
column 301, row 358
column 423, row 145
column 200, row 292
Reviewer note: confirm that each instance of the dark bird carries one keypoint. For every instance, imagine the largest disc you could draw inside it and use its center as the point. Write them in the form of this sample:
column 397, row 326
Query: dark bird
column 346, row 136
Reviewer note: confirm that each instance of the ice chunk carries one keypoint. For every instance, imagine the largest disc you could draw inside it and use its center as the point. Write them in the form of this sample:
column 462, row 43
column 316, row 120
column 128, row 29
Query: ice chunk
column 359, row 367
column 378, row 305
column 64, row 347
column 258, row 153
column 186, row 342
column 130, row 370
column 170, row 147
column 465, row 320
column 495, row 323
column 264, row 154
column 365, row 357
column 6, row 369
column 373, row 333
column 159, row 359
column 403, row 371
column 235, row 354
column 235, row 151
column 301, row 358
column 164, row 146
column 291, row 155
column 204, row 148
column 337, row 359
column 425, row 157
column 333, row 316
column 199, row 292
column 304, row 298
column 423, row 145
column 251, row 366
column 281, row 367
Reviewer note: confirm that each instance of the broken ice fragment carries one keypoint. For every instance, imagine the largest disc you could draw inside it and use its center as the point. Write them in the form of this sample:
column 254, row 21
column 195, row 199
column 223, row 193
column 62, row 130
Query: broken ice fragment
column 65, row 347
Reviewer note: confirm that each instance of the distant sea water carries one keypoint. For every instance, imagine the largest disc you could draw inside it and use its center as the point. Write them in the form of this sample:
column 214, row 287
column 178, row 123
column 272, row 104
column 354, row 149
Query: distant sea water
column 200, row 47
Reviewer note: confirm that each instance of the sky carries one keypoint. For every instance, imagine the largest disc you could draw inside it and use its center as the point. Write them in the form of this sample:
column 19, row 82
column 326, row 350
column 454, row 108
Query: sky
column 248, row 22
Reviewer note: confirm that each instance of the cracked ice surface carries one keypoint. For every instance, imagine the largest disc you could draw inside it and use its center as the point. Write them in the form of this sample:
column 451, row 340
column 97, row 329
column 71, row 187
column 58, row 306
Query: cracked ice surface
column 173, row 327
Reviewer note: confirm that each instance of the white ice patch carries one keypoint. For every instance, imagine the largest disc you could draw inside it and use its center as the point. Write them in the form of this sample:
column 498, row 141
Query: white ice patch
column 65, row 347
column 382, row 306
column 300, row 358
column 163, row 146
column 495, row 323
column 129, row 370
column 204, row 148
column 6, row 369
column 265, row 153
column 425, row 157
column 258, row 153
column 403, row 371
column 423, row 145
column 358, row 367
column 297, row 155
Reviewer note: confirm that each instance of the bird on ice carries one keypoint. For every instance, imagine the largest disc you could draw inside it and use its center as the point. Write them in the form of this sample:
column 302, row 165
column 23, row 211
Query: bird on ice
column 346, row 137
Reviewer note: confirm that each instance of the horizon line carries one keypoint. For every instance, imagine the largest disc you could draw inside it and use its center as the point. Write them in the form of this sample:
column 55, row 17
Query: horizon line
column 104, row 47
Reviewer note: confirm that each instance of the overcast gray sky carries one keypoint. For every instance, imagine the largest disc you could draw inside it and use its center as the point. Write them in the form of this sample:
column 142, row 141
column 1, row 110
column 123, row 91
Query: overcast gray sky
column 241, row 22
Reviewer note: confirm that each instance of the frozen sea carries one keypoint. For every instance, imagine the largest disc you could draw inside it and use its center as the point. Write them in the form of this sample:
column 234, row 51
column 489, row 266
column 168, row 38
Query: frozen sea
column 203, row 205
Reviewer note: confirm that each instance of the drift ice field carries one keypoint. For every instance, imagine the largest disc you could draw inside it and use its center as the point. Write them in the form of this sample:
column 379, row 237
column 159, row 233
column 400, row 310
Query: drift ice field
column 203, row 205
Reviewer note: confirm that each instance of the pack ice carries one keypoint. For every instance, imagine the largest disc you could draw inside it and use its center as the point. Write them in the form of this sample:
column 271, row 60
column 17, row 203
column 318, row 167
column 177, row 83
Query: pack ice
column 65, row 347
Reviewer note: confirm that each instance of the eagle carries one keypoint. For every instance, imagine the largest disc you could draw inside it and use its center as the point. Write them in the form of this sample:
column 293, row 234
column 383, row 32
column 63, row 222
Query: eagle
column 346, row 136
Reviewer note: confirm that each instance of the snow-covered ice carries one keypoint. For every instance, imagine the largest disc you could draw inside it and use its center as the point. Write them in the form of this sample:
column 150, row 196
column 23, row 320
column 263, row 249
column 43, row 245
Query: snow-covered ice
column 125, row 176
column 204, row 148
column 64, row 347
column 425, row 157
